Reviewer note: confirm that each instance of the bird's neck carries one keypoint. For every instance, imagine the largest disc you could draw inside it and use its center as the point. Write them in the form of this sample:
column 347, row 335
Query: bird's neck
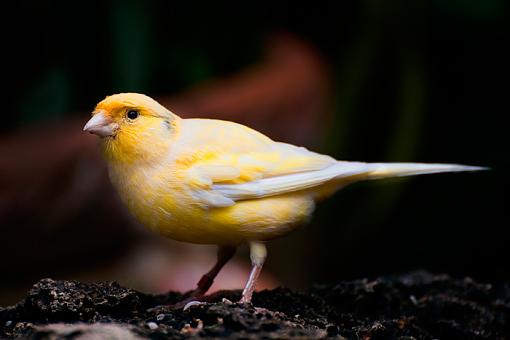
column 136, row 154
column 143, row 148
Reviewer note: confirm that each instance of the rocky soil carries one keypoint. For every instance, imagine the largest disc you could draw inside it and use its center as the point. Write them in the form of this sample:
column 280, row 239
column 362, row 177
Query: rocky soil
column 412, row 306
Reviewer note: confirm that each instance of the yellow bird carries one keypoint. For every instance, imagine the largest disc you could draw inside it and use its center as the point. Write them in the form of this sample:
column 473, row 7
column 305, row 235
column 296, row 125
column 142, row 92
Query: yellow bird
column 218, row 182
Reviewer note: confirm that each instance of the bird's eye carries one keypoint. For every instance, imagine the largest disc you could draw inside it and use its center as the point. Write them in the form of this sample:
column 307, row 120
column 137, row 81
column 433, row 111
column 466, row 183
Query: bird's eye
column 132, row 114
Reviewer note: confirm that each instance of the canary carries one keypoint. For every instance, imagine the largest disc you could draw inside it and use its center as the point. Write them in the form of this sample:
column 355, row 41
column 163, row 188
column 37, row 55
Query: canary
column 217, row 182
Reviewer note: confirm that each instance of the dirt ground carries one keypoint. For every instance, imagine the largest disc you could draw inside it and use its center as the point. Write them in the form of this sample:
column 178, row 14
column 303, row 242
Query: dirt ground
column 412, row 306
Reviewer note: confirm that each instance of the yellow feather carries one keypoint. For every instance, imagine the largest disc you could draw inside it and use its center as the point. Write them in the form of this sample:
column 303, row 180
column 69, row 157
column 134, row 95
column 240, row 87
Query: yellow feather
column 218, row 182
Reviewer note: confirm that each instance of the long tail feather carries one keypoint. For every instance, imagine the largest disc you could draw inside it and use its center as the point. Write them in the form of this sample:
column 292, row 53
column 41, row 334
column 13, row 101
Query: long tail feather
column 382, row 170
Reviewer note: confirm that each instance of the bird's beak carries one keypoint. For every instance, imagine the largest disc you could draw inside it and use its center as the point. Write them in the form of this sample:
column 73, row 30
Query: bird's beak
column 101, row 125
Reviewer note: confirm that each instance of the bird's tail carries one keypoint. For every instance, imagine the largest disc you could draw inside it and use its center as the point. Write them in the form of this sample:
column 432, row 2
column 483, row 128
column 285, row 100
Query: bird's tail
column 383, row 170
column 344, row 173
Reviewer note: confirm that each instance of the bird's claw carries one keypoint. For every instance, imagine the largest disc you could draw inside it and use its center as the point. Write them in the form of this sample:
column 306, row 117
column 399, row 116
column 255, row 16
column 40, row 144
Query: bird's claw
column 193, row 303
column 226, row 301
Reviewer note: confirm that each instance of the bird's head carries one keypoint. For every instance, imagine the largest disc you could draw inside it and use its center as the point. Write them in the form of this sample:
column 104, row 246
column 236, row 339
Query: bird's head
column 133, row 127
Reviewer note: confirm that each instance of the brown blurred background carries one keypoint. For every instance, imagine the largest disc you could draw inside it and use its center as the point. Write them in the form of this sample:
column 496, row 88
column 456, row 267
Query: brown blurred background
column 395, row 81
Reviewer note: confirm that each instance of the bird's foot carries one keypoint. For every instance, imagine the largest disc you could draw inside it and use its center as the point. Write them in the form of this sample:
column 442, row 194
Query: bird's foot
column 184, row 305
column 193, row 303
column 193, row 300
column 226, row 301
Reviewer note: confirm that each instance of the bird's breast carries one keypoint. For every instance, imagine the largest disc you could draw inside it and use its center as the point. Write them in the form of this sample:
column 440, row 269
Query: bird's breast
column 148, row 193
column 162, row 202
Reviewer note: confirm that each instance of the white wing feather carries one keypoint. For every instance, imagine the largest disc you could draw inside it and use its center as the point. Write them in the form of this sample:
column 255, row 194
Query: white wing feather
column 288, row 183
column 351, row 171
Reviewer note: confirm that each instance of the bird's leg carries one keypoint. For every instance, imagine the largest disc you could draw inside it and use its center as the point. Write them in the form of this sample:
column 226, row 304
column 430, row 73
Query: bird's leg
column 258, row 254
column 225, row 253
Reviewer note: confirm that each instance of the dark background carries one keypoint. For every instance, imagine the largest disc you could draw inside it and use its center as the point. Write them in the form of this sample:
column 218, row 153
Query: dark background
column 422, row 81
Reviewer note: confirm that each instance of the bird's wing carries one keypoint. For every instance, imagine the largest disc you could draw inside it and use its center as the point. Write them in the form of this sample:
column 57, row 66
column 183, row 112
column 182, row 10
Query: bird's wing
column 282, row 184
column 280, row 168
column 342, row 172
column 223, row 185
column 220, row 172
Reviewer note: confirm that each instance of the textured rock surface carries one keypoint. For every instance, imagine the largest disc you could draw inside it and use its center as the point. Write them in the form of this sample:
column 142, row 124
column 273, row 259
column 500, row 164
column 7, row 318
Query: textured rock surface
column 418, row 305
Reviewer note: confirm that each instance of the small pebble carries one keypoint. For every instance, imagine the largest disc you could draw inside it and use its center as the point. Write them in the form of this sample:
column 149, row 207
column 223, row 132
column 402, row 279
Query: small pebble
column 8, row 323
column 152, row 325
column 160, row 317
